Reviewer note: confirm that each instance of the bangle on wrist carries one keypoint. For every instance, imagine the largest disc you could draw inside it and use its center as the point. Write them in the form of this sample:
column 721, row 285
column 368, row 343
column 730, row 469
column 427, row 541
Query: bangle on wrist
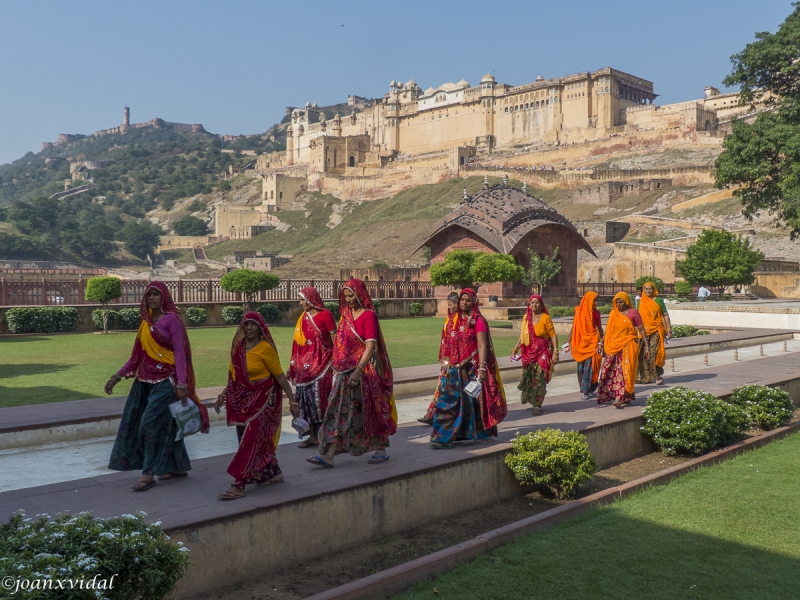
column 182, row 386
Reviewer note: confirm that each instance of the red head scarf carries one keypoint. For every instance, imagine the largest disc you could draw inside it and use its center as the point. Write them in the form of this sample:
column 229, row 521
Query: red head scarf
column 239, row 345
column 536, row 349
column 311, row 295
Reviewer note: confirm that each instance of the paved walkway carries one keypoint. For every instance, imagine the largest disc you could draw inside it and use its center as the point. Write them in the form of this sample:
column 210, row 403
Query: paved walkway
column 192, row 501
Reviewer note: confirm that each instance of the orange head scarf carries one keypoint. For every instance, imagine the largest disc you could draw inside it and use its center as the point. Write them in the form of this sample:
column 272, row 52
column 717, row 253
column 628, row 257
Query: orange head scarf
column 653, row 321
column 621, row 337
column 585, row 335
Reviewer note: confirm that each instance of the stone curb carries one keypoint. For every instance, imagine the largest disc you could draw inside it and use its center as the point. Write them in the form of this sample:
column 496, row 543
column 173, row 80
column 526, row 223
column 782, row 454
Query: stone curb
column 402, row 577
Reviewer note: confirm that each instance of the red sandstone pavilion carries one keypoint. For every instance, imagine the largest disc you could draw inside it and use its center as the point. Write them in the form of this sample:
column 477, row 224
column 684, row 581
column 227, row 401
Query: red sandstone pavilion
column 502, row 218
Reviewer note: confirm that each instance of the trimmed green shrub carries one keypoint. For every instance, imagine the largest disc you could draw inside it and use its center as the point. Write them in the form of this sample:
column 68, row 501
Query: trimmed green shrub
column 680, row 331
column 377, row 305
column 232, row 314
column 44, row 319
column 196, row 315
column 103, row 290
column 561, row 311
column 248, row 282
column 683, row 288
column 604, row 309
column 765, row 406
column 559, row 460
column 140, row 557
column 684, row 421
column 415, row 309
column 98, row 318
column 129, row 318
column 270, row 312
column 333, row 307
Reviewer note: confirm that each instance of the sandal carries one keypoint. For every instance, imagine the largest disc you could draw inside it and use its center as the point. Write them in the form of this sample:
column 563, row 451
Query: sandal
column 537, row 410
column 308, row 444
column 618, row 404
column 319, row 461
column 275, row 479
column 173, row 475
column 440, row 446
column 143, row 484
column 378, row 458
column 232, row 493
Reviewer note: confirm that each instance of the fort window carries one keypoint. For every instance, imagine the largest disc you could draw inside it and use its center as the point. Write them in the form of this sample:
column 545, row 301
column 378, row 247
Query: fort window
column 280, row 196
column 352, row 161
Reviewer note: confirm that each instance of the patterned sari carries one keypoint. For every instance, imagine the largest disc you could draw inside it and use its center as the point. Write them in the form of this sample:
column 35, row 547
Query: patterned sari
column 584, row 342
column 310, row 367
column 362, row 418
column 444, row 354
column 147, row 430
column 618, row 374
column 537, row 357
column 257, row 408
column 651, row 369
column 459, row 416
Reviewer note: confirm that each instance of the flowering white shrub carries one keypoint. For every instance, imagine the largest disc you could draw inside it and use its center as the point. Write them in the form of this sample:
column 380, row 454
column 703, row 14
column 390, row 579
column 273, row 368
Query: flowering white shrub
column 765, row 406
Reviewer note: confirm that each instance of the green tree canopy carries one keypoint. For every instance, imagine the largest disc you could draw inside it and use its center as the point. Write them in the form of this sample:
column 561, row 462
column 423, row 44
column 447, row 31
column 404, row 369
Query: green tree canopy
column 762, row 159
column 103, row 290
column 465, row 268
column 141, row 239
column 656, row 281
column 248, row 282
column 190, row 225
column 719, row 259
column 543, row 270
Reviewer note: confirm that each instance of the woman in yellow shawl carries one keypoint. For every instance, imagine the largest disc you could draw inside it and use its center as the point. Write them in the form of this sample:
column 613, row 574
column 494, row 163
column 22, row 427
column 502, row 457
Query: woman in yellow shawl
column 621, row 348
column 657, row 327
column 586, row 343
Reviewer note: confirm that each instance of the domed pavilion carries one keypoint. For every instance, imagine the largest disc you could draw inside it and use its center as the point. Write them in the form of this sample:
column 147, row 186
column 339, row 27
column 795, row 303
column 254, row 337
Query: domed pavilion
column 502, row 218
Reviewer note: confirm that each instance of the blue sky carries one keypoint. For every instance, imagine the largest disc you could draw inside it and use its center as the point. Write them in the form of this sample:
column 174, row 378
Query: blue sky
column 70, row 67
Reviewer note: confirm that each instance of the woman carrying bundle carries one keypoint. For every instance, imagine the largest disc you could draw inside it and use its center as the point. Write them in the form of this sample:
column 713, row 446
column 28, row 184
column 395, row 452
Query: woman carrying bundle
column 586, row 343
column 361, row 413
column 161, row 363
column 538, row 343
column 310, row 367
column 621, row 348
column 657, row 328
column 254, row 404
column 444, row 353
column 459, row 415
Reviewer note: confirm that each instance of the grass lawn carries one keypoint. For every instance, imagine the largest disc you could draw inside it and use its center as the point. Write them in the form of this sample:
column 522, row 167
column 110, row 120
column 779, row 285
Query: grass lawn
column 41, row 369
column 722, row 532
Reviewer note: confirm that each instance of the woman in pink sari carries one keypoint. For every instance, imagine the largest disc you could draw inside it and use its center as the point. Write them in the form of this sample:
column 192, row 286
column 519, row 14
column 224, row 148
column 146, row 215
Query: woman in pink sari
column 161, row 363
column 254, row 404
column 310, row 368
column 538, row 343
column 361, row 413
column 458, row 415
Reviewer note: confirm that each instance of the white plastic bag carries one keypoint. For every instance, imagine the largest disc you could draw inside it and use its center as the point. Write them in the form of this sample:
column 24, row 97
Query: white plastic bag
column 187, row 418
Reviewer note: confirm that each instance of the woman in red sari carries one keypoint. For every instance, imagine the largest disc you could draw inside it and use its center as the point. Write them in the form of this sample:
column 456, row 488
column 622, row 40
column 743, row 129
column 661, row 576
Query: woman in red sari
column 538, row 344
column 458, row 415
column 444, row 354
column 310, row 367
column 253, row 402
column 361, row 413
column 161, row 363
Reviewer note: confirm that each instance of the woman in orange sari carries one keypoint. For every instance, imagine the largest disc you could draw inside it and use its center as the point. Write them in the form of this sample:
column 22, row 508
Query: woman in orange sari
column 621, row 347
column 586, row 343
column 657, row 328
column 361, row 413
column 161, row 363
column 538, row 343
column 254, row 404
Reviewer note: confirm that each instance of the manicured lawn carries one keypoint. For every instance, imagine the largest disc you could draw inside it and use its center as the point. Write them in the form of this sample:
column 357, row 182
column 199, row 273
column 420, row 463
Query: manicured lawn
column 41, row 369
column 722, row 532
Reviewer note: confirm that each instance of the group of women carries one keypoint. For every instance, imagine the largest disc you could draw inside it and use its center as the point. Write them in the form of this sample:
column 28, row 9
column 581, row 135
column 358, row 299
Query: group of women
column 343, row 382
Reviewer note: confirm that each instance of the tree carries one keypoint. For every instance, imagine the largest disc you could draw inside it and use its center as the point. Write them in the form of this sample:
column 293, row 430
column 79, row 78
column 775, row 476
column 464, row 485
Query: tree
column 719, row 259
column 762, row 159
column 465, row 268
column 656, row 281
column 103, row 290
column 190, row 226
column 379, row 265
column 248, row 282
column 543, row 270
column 141, row 239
